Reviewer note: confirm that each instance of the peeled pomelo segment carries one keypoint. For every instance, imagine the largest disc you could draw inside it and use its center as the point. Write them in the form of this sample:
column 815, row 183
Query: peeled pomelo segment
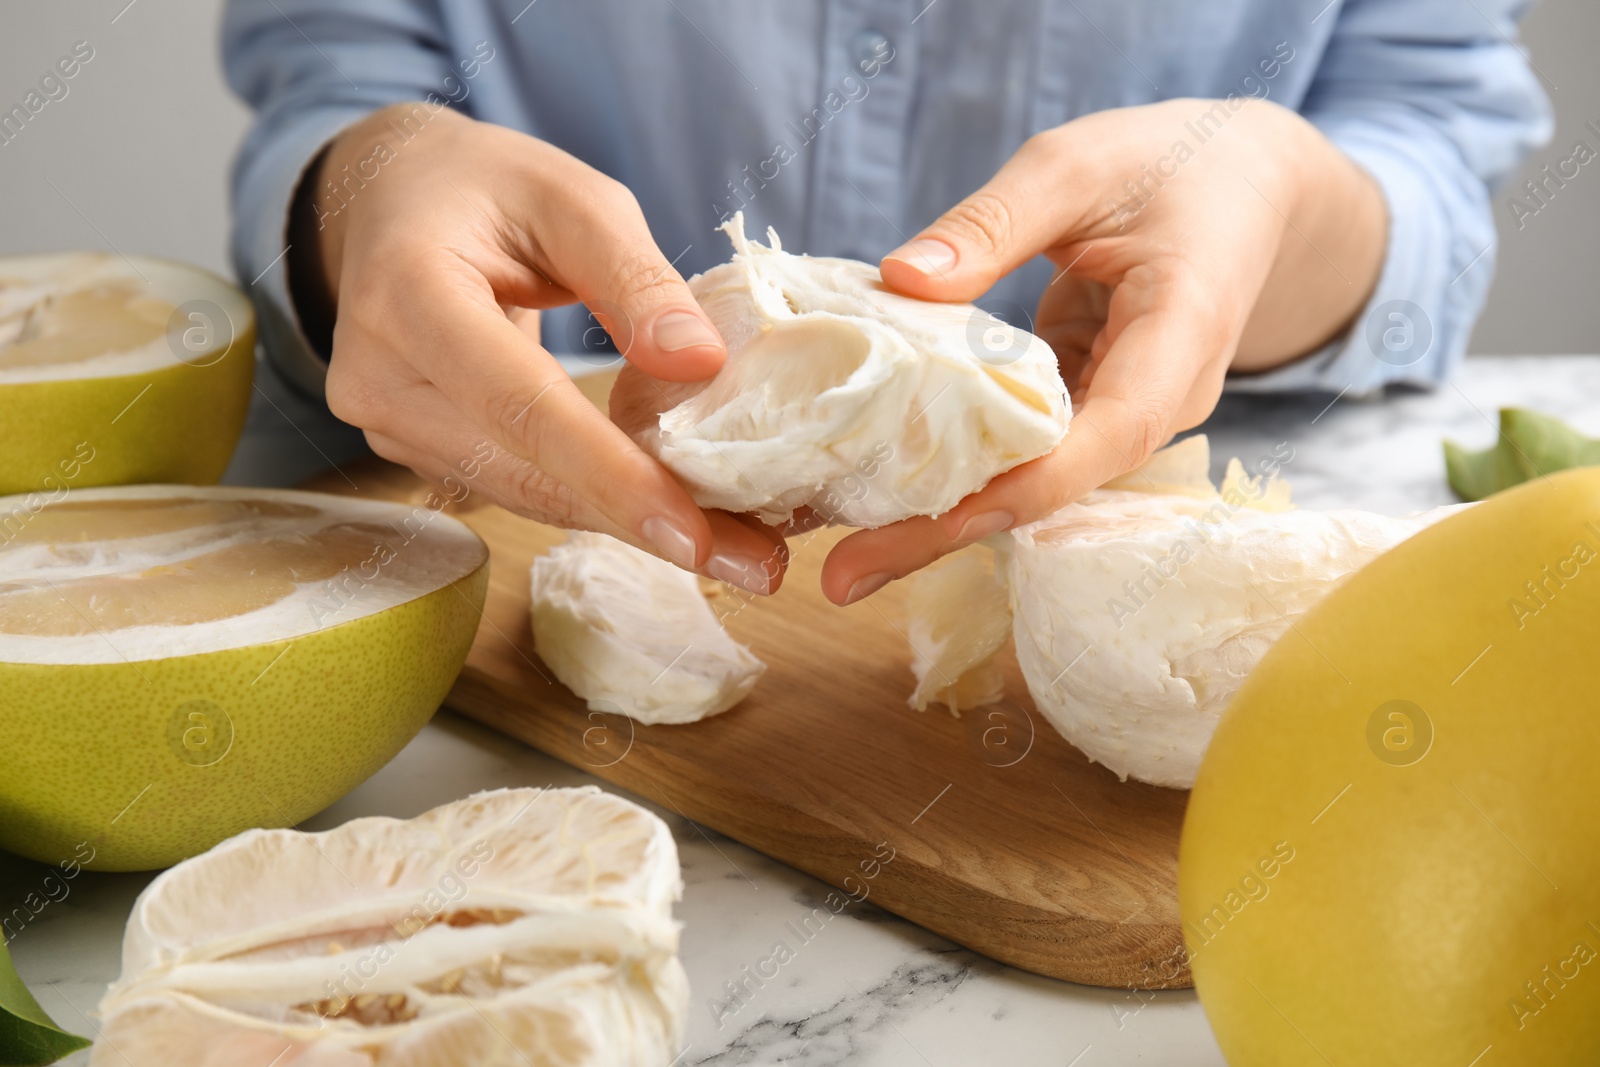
column 545, row 845
column 958, row 616
column 178, row 664
column 186, row 1032
column 1140, row 608
column 1138, row 616
column 119, row 369
column 1184, row 469
column 866, row 405
column 518, row 926
column 631, row 633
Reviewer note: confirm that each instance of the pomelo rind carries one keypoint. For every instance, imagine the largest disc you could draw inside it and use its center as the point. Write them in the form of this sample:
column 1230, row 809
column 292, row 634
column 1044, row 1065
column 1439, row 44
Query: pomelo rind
column 1426, row 889
column 174, row 423
column 92, row 756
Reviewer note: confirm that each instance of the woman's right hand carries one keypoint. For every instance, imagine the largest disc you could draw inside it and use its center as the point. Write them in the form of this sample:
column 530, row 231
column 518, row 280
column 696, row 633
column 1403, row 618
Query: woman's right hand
column 442, row 240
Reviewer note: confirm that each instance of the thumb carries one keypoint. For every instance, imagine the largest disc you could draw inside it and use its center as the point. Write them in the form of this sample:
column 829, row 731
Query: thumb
column 1019, row 213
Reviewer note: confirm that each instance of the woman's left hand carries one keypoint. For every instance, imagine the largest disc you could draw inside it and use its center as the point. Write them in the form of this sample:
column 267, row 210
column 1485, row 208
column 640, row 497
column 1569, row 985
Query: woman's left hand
column 1176, row 261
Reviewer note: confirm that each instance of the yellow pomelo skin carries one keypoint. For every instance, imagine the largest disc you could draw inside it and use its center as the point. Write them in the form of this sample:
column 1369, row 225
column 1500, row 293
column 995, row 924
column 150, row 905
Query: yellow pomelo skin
column 179, row 424
column 1367, row 882
column 114, row 755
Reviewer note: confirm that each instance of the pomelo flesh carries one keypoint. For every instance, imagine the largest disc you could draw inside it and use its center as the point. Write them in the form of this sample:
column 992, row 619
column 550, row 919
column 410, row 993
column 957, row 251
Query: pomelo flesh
column 514, row 927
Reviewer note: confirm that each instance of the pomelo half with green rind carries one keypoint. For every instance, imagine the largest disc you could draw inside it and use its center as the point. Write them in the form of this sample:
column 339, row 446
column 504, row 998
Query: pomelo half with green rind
column 178, row 664
column 118, row 370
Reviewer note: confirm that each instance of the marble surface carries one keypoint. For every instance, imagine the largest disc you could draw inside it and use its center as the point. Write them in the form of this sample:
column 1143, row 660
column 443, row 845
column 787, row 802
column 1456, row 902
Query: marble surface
column 869, row 989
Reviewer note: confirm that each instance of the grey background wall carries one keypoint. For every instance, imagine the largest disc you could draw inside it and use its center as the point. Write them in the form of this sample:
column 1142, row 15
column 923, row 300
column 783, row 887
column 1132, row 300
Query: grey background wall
column 1548, row 279
column 136, row 156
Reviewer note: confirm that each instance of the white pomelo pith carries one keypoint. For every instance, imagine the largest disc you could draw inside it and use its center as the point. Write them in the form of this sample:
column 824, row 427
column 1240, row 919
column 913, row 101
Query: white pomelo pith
column 115, row 370
column 513, row 928
column 178, row 664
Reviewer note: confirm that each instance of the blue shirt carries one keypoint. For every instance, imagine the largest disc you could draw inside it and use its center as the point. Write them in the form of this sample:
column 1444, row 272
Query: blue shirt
column 851, row 124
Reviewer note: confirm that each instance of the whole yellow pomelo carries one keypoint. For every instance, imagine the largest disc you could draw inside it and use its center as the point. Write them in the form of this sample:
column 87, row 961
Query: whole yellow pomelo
column 178, row 664
column 118, row 370
column 1392, row 850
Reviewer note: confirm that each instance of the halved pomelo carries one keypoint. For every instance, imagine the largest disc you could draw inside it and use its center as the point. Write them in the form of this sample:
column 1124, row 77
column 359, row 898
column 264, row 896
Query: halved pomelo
column 119, row 369
column 516, row 928
column 178, row 664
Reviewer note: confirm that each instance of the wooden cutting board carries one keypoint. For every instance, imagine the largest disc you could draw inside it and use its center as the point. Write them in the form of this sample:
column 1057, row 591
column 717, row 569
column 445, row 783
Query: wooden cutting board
column 1004, row 837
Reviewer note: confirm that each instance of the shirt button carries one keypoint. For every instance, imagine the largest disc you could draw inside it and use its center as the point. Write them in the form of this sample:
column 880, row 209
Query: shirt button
column 870, row 49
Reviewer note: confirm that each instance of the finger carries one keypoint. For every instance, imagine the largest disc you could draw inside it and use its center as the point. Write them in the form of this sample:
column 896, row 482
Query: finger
column 526, row 320
column 1024, row 209
column 868, row 560
column 512, row 392
column 748, row 554
column 1140, row 394
column 428, row 434
column 774, row 535
column 608, row 258
column 455, row 458
column 501, row 479
column 1071, row 315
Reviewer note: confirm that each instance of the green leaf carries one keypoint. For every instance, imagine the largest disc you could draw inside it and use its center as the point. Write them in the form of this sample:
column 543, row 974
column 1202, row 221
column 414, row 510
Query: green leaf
column 28, row 1037
column 1530, row 445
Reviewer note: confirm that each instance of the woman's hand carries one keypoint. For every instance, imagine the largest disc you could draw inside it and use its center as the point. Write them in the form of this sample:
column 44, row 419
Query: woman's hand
column 1176, row 260
column 444, row 238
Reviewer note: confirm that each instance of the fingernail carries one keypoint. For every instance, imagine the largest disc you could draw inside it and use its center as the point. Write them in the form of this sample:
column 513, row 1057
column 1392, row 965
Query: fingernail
column 671, row 540
column 980, row 526
column 926, row 254
column 747, row 574
column 677, row 330
column 862, row 588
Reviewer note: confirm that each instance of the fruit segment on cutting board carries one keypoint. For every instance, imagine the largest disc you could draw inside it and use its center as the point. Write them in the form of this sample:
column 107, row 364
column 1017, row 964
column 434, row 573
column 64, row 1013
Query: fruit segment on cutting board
column 1006, row 839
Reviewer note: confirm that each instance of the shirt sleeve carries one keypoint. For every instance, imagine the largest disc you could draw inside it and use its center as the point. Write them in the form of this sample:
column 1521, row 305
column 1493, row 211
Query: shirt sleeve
column 309, row 69
column 1434, row 100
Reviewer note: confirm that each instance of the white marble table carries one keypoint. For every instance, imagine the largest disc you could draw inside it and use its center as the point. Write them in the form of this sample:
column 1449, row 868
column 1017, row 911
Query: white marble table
column 873, row 990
